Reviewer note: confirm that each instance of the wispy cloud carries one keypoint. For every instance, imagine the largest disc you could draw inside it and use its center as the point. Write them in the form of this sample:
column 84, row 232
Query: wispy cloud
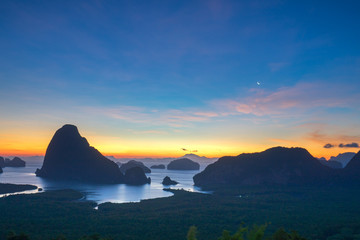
column 342, row 145
column 206, row 114
column 349, row 145
column 319, row 136
column 282, row 103
column 283, row 141
column 301, row 97
column 175, row 118
column 188, row 150
column 329, row 145
column 157, row 132
column 126, row 113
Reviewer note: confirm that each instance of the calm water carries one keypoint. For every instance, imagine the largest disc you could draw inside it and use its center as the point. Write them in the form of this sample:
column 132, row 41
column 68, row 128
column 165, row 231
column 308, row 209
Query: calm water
column 118, row 193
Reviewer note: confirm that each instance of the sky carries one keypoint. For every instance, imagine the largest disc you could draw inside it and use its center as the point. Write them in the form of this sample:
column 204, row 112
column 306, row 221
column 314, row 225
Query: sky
column 166, row 78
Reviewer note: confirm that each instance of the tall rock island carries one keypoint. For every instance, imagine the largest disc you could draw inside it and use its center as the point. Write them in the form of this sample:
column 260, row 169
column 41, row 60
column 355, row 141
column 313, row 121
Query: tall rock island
column 70, row 157
column 136, row 176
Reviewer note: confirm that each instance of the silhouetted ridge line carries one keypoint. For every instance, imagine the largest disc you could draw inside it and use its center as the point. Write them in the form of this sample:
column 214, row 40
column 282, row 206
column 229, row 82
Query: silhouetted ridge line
column 15, row 162
column 331, row 163
column 353, row 167
column 274, row 166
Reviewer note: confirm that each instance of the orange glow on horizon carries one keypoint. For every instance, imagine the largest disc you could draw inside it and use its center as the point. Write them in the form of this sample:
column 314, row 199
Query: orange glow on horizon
column 35, row 142
column 165, row 153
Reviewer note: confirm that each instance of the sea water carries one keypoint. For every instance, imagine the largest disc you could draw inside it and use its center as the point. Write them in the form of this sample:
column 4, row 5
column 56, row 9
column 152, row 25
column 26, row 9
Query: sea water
column 100, row 193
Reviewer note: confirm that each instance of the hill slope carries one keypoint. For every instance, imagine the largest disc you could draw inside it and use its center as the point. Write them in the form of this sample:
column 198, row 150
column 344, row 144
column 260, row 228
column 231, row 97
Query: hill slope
column 274, row 166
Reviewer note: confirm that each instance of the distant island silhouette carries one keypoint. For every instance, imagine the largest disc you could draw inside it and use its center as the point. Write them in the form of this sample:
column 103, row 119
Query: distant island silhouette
column 159, row 166
column 15, row 162
column 167, row 181
column 131, row 164
column 183, row 164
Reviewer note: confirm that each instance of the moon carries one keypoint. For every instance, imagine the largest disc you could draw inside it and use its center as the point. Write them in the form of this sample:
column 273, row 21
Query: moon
column 258, row 83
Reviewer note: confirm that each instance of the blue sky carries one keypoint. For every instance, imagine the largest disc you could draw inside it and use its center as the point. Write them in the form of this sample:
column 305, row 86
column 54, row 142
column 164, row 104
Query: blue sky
column 181, row 74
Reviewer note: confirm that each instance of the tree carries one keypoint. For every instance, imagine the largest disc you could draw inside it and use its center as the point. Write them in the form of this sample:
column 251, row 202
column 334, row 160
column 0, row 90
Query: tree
column 243, row 233
column 191, row 235
column 257, row 232
column 281, row 234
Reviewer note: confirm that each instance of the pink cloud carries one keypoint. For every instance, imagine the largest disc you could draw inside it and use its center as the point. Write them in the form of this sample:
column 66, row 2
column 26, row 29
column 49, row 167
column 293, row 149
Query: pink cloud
column 321, row 137
column 244, row 108
column 303, row 99
column 299, row 98
column 157, row 132
column 126, row 113
column 175, row 118
column 206, row 114
column 283, row 141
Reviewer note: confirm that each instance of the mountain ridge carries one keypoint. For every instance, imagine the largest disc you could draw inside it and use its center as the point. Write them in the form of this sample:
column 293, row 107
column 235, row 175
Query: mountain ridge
column 274, row 166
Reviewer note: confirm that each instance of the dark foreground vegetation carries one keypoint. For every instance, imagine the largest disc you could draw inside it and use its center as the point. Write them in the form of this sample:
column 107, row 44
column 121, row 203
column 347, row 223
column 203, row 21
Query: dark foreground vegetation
column 12, row 188
column 243, row 233
column 331, row 213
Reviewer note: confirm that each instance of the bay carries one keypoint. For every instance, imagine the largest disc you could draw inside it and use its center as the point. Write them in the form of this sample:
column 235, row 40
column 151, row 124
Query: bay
column 100, row 193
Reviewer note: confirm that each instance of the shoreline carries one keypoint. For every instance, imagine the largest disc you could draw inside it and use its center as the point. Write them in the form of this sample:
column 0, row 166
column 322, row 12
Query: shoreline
column 10, row 189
